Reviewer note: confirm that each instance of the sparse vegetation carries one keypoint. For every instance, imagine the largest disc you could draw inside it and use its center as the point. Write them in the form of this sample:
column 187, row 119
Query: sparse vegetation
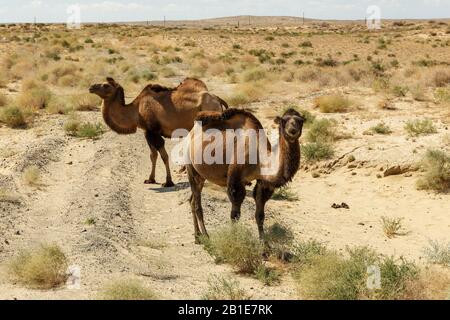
column 220, row 288
column 332, row 103
column 437, row 171
column 392, row 227
column 381, row 128
column 284, row 194
column 40, row 268
column 13, row 117
column 32, row 176
column 127, row 289
column 75, row 128
column 236, row 245
column 438, row 253
column 317, row 151
column 331, row 276
column 420, row 127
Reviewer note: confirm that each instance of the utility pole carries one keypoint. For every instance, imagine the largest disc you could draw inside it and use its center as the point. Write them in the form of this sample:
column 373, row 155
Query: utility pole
column 249, row 21
column 303, row 17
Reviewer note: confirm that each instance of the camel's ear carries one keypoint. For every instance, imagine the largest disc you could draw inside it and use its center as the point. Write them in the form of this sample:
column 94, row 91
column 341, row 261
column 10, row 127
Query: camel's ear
column 277, row 120
column 112, row 82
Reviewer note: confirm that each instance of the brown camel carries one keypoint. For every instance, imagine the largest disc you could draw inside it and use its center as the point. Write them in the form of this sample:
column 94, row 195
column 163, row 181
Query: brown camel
column 235, row 176
column 159, row 111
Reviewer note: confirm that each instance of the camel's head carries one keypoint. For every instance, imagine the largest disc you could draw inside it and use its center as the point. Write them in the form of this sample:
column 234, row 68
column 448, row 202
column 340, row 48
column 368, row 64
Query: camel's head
column 291, row 125
column 107, row 90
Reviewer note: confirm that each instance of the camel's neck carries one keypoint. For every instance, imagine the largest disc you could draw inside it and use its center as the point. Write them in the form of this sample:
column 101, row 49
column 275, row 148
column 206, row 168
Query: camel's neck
column 288, row 163
column 120, row 117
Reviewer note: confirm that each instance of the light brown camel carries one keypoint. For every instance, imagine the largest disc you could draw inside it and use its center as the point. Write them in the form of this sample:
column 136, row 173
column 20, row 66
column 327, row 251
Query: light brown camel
column 235, row 176
column 159, row 111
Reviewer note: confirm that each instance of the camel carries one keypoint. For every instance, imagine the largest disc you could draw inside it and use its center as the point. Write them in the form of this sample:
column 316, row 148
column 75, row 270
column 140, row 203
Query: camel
column 159, row 111
column 235, row 176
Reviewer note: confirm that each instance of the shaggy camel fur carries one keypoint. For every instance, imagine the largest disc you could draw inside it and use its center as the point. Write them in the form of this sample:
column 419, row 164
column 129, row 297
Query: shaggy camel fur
column 235, row 176
column 159, row 111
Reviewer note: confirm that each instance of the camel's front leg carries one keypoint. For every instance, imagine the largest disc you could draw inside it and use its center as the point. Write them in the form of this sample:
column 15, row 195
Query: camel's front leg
column 197, row 182
column 236, row 192
column 261, row 194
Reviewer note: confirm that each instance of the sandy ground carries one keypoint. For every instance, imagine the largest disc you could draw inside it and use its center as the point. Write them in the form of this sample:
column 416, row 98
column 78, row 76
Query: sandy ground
column 146, row 232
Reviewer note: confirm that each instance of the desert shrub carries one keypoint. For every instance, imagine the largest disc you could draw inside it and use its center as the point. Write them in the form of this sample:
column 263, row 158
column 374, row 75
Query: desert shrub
column 40, row 268
column 75, row 128
column 86, row 102
column 317, row 151
column 37, row 97
column 284, row 194
column 420, row 127
column 400, row 91
column 58, row 105
column 322, row 131
column 381, row 128
column 13, row 117
column 442, row 95
column 245, row 93
column 254, row 75
column 304, row 252
column 392, row 227
column 220, row 288
column 437, row 171
column 331, row 276
column 438, row 253
column 441, row 78
column 268, row 276
column 127, row 289
column 332, row 103
column 31, row 176
column 280, row 238
column 237, row 245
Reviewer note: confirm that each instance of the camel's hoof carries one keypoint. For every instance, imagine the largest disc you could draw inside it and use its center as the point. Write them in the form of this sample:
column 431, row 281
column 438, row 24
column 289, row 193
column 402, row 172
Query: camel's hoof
column 150, row 181
column 168, row 184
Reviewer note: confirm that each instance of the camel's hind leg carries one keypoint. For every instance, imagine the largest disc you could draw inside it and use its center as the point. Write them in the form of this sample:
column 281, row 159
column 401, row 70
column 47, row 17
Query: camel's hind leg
column 236, row 192
column 197, row 183
column 156, row 143
column 261, row 194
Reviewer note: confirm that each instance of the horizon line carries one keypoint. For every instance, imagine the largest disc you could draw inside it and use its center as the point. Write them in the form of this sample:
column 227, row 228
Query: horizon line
column 33, row 21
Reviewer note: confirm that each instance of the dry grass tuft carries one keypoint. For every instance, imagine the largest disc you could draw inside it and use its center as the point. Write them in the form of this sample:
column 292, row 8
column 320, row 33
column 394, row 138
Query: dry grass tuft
column 41, row 268
column 127, row 290
column 392, row 227
column 437, row 171
column 220, row 288
column 236, row 245
column 417, row 128
column 333, row 103
column 13, row 117
column 438, row 253
column 32, row 176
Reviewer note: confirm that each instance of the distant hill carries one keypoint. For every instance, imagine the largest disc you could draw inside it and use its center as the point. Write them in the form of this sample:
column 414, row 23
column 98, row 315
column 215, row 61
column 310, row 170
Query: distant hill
column 254, row 21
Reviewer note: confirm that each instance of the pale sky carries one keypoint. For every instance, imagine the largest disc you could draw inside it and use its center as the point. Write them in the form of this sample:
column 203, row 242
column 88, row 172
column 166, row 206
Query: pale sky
column 142, row 10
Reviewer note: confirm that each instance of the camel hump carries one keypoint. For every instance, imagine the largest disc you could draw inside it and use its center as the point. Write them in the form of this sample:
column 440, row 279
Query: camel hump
column 212, row 118
column 209, row 102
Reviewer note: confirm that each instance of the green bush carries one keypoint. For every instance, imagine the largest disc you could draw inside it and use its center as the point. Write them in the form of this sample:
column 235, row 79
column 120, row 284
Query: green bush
column 236, row 245
column 420, row 127
column 13, row 117
column 317, row 151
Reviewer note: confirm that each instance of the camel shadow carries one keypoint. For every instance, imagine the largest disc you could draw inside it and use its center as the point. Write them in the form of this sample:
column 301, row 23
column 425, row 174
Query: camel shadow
column 177, row 187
